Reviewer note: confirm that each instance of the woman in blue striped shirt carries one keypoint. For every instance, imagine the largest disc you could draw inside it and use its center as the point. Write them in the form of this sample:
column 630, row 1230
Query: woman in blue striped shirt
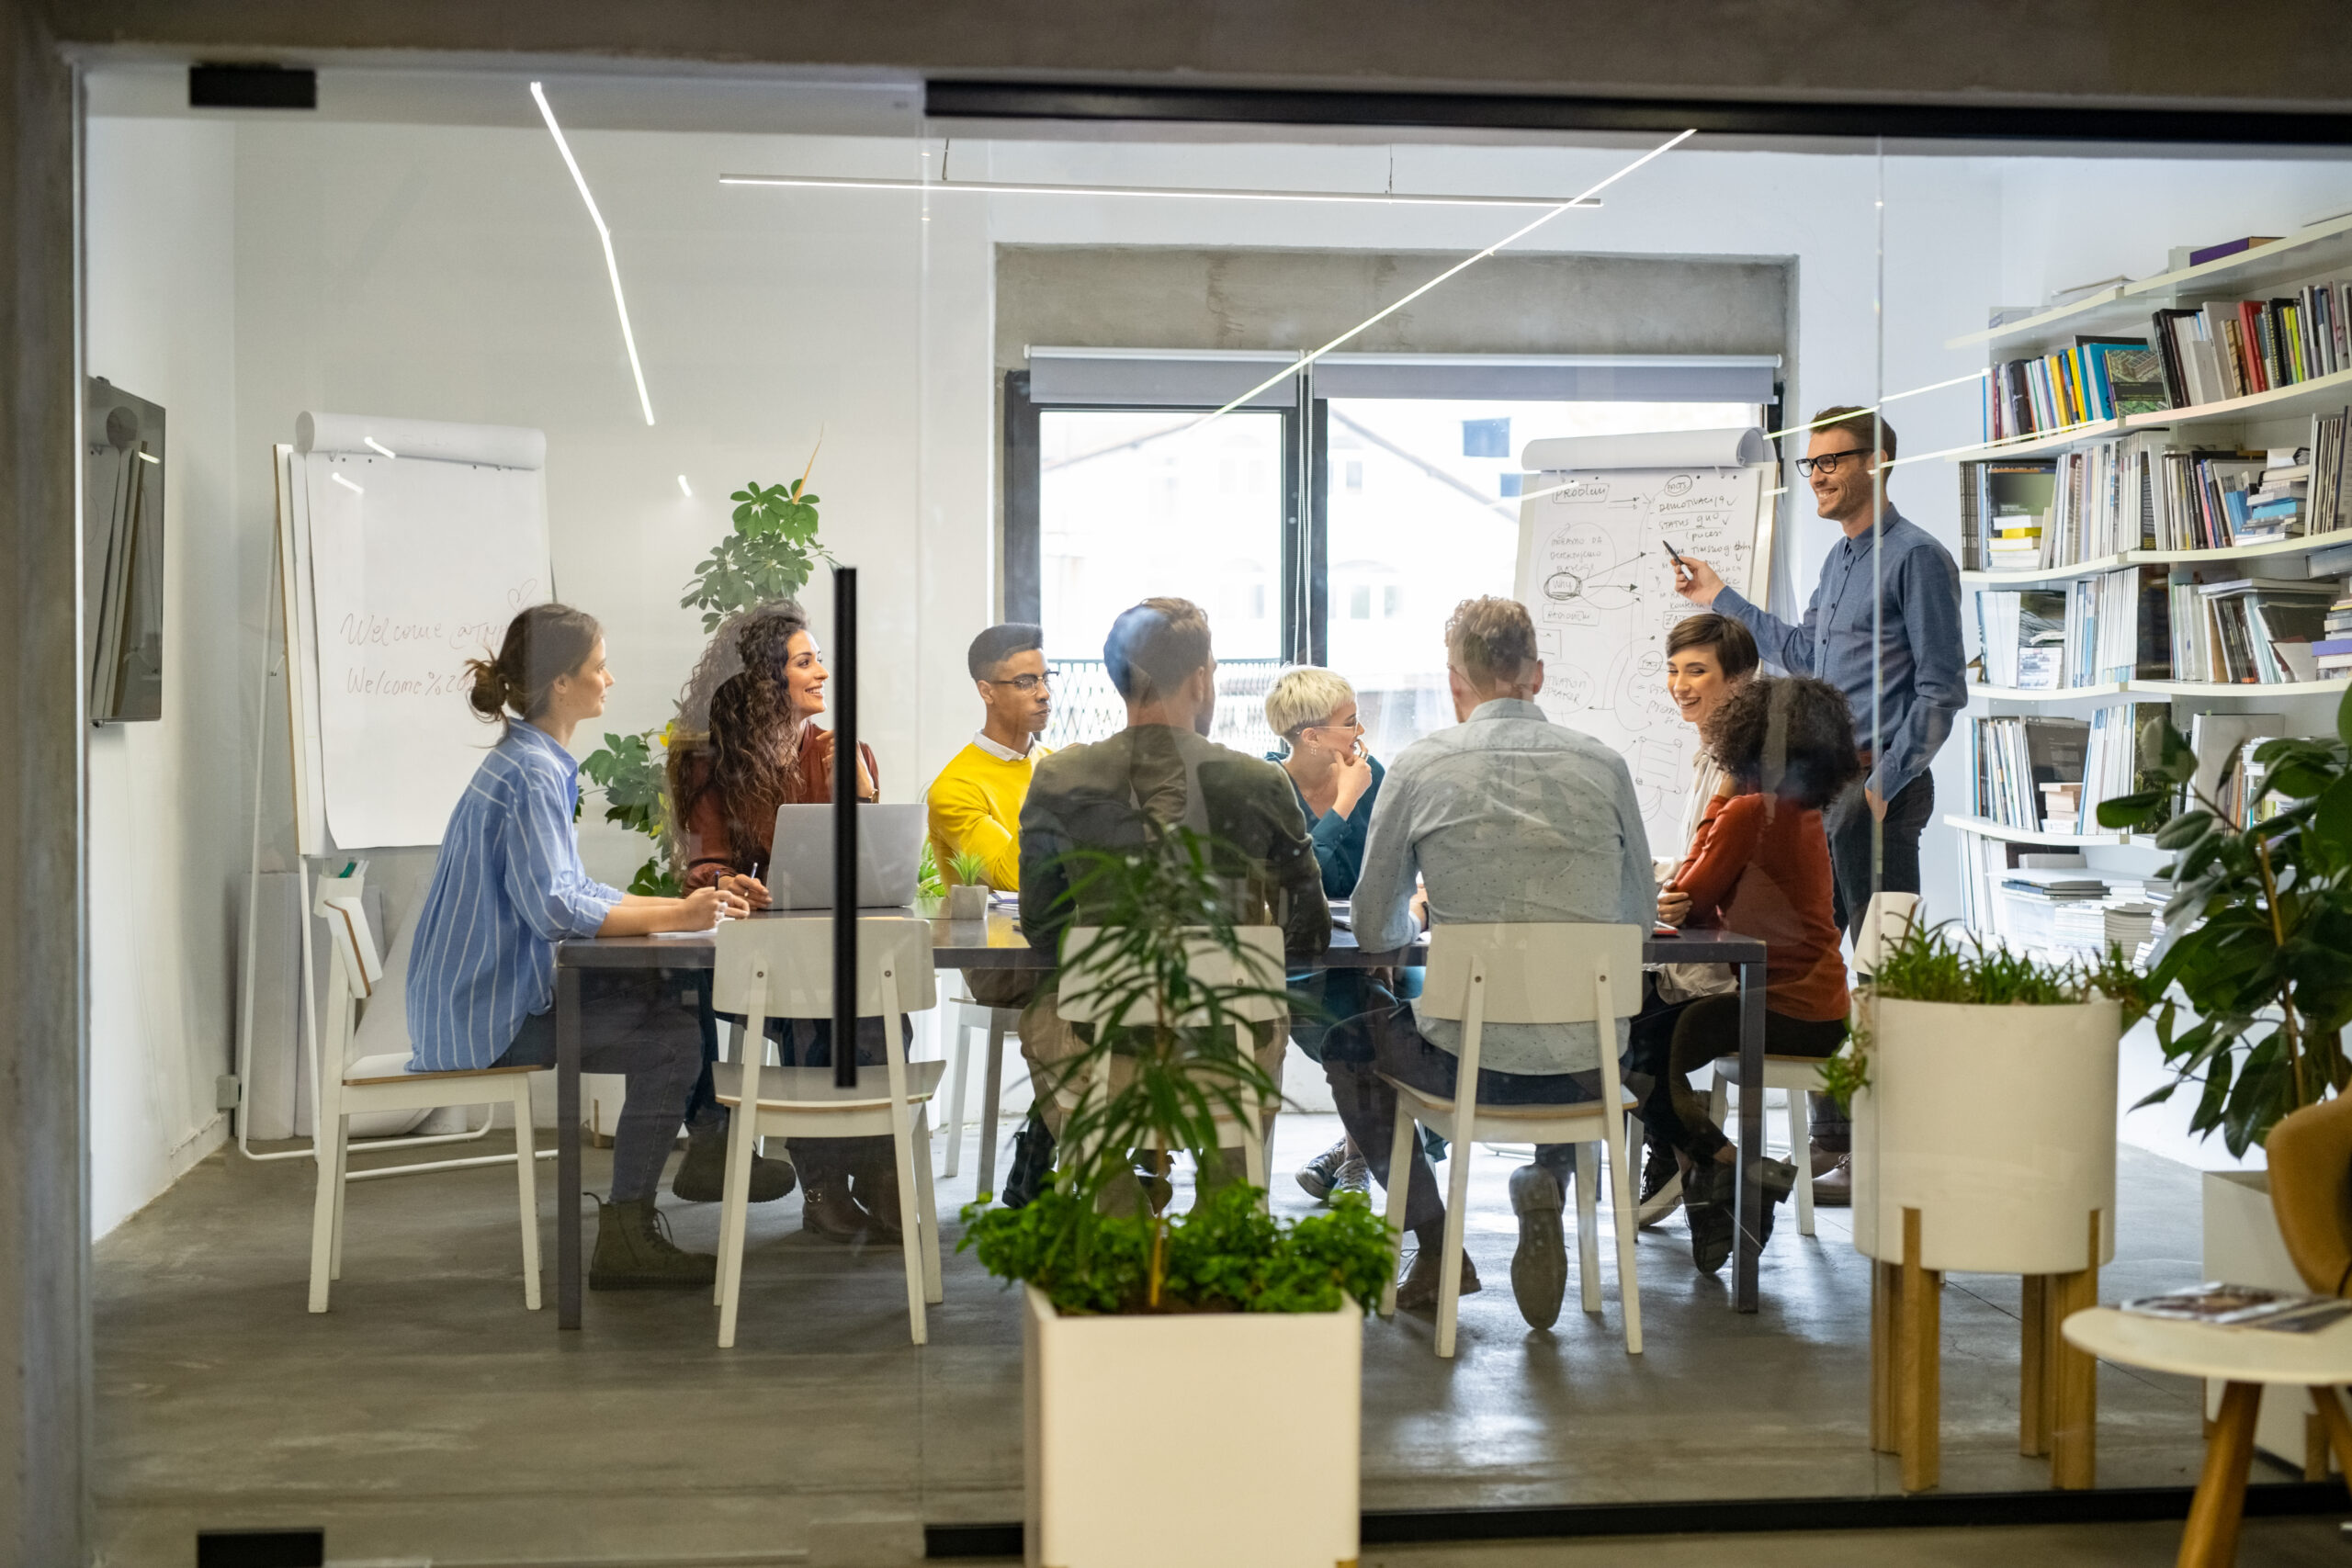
column 509, row 885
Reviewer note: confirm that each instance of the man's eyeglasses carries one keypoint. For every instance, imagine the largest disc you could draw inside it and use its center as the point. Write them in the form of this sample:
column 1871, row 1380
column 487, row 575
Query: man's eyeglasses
column 1030, row 685
column 1828, row 462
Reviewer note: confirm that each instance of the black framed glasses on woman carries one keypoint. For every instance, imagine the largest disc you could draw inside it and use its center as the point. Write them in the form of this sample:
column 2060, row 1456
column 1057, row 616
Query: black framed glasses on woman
column 1828, row 462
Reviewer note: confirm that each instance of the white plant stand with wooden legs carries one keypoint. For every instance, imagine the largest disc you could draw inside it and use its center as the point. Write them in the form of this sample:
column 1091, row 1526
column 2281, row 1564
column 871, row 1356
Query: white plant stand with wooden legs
column 783, row 968
column 1985, row 1144
column 1527, row 974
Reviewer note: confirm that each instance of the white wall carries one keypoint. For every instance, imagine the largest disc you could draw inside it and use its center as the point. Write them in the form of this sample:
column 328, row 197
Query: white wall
column 165, row 856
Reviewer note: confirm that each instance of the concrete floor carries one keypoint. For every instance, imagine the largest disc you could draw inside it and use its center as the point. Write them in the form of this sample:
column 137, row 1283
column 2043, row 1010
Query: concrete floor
column 429, row 1417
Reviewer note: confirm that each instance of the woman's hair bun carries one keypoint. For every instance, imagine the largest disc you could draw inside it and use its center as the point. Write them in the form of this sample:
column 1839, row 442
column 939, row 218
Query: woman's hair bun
column 485, row 688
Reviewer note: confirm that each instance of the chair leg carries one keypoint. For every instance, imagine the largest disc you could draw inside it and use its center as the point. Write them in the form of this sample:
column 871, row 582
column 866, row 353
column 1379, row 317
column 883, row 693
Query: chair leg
column 1399, row 1183
column 1800, row 1151
column 927, row 1207
column 1458, row 1199
column 322, row 1212
column 1620, row 1195
column 1253, row 1165
column 1588, row 1228
column 992, row 1090
column 527, row 1189
column 342, row 1196
column 734, row 1217
column 909, row 1221
column 958, row 1060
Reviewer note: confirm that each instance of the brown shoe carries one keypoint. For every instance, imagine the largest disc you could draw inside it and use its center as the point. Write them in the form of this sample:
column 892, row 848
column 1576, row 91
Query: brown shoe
column 827, row 1209
column 1419, row 1292
column 1833, row 1179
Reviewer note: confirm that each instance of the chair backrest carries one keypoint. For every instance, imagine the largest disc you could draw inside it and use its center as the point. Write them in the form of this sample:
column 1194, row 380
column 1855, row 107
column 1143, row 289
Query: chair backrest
column 798, row 951
column 1082, row 998
column 1888, row 919
column 1535, row 973
column 360, row 965
column 2310, row 1155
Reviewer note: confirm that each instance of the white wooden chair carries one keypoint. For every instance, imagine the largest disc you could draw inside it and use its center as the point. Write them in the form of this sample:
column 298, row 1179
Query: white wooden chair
column 783, row 968
column 1527, row 974
column 1258, row 964
column 963, row 1016
column 383, row 1083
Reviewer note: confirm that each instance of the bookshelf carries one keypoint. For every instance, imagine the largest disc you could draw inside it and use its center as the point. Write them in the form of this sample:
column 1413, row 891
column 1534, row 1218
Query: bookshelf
column 2150, row 482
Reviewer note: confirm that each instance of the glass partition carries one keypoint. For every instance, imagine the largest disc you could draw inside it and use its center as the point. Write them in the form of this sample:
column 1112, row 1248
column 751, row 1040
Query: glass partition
column 1565, row 469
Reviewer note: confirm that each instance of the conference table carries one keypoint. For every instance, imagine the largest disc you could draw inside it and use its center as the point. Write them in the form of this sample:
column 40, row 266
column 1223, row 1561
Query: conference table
column 997, row 943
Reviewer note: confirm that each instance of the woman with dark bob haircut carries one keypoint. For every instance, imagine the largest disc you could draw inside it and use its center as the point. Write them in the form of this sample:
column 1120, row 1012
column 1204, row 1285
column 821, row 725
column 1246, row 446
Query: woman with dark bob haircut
column 1759, row 865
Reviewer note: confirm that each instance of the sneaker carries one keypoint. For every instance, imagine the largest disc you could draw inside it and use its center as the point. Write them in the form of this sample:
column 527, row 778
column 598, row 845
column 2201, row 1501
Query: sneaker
column 1706, row 1199
column 1661, row 1185
column 1833, row 1179
column 1354, row 1176
column 1319, row 1175
column 1419, row 1292
column 634, row 1252
column 702, row 1175
column 1032, row 1163
column 1538, row 1270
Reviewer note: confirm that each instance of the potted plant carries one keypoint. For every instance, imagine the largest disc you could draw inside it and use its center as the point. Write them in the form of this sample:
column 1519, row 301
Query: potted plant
column 769, row 555
column 1223, row 1334
column 1982, row 1085
column 2252, row 977
column 967, row 899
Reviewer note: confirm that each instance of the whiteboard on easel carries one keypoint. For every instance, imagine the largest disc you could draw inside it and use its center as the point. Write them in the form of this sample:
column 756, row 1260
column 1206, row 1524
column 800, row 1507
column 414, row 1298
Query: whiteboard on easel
column 404, row 547
column 1598, row 514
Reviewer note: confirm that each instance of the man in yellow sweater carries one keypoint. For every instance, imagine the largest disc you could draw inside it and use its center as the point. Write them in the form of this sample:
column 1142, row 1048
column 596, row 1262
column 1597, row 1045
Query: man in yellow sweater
column 976, row 800
column 975, row 809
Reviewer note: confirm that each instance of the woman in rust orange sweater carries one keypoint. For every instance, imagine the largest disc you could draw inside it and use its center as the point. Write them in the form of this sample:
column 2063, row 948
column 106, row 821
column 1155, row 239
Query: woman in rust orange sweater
column 1759, row 865
column 766, row 750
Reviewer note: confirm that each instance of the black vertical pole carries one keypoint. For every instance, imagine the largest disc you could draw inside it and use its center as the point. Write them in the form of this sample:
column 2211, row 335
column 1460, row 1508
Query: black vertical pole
column 845, row 684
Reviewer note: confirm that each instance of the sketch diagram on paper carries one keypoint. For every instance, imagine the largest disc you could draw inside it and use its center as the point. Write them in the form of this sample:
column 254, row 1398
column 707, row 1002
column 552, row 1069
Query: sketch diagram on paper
column 1596, row 577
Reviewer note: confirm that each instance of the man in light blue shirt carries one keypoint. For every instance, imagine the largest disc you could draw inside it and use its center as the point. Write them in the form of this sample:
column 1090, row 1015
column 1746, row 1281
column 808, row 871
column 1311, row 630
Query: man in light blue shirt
column 1506, row 817
column 1883, row 632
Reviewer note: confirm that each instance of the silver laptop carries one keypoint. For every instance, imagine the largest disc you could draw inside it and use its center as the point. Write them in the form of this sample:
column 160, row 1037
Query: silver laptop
column 889, row 849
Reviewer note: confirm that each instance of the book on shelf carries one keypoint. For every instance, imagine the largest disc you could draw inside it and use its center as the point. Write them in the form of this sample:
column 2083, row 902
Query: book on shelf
column 2122, row 738
column 2234, row 633
column 2217, row 739
column 2199, row 255
column 2015, row 758
column 2112, row 626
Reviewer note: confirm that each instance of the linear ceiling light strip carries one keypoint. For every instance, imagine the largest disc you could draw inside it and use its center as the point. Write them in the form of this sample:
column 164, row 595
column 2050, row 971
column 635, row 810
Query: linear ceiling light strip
column 612, row 266
column 1457, row 268
column 996, row 187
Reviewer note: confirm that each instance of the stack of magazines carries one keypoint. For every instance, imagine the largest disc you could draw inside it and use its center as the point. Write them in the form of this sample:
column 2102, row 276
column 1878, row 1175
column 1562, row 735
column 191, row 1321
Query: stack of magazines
column 2242, row 1306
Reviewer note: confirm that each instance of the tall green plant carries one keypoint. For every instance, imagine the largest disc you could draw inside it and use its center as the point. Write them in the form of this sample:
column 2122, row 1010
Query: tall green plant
column 771, row 555
column 1167, row 975
column 2258, row 934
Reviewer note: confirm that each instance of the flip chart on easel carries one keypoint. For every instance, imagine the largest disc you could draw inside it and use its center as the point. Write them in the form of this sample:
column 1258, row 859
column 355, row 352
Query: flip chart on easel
column 405, row 546
column 1598, row 517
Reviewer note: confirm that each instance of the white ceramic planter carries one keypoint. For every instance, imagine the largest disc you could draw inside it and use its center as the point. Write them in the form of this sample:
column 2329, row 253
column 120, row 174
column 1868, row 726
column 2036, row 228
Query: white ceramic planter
column 2243, row 1248
column 1210, row 1438
column 1997, row 1123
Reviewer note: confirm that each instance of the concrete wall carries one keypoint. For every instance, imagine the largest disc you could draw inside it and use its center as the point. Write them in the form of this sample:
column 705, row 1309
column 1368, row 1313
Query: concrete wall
column 166, row 797
column 1989, row 51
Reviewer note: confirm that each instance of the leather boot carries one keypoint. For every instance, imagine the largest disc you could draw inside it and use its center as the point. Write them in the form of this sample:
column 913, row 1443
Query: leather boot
column 702, row 1175
column 874, row 1183
column 634, row 1253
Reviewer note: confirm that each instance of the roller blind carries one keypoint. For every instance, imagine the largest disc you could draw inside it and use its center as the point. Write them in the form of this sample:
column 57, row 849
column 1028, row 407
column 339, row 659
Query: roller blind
column 1193, row 378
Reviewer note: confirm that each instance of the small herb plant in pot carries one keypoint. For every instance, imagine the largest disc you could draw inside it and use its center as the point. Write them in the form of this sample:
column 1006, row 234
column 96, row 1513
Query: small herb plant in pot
column 1983, row 1084
column 968, row 896
column 1204, row 1326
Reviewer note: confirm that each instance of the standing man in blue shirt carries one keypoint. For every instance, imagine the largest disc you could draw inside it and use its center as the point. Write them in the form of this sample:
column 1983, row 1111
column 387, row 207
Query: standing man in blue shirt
column 1917, row 665
column 1907, row 669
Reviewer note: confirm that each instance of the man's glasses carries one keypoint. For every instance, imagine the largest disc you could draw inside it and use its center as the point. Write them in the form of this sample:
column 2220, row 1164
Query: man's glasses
column 1828, row 462
column 1030, row 685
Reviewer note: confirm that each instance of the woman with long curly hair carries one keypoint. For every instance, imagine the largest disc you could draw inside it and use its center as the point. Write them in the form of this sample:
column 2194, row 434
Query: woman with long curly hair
column 763, row 748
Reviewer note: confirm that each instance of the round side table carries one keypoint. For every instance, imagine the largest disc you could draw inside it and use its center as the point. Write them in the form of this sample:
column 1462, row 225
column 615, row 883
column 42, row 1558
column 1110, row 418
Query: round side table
column 2243, row 1359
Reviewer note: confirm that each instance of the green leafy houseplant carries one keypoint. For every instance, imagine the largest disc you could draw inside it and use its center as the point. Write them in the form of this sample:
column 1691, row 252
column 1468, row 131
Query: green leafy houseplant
column 770, row 555
column 971, row 871
column 1160, row 909
column 1934, row 964
column 2257, row 957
